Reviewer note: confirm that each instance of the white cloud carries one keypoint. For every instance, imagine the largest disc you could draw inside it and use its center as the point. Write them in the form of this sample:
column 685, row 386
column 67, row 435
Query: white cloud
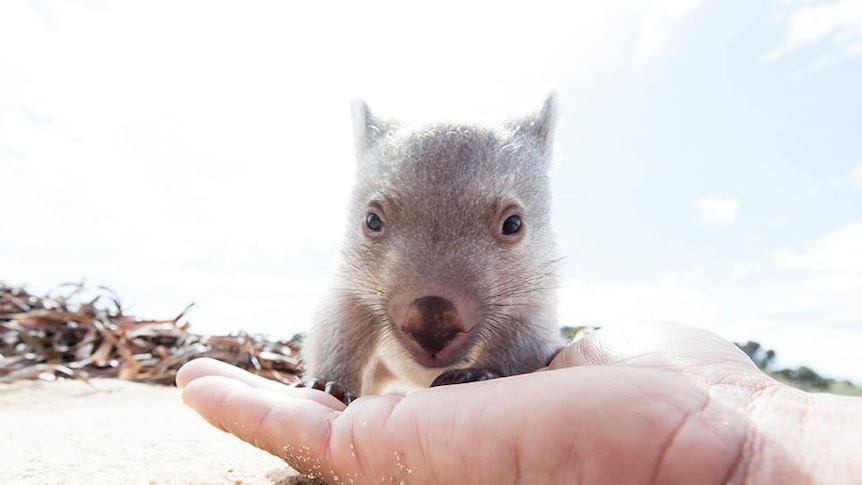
column 193, row 122
column 740, row 270
column 838, row 252
column 604, row 304
column 804, row 303
column 751, row 238
column 221, row 144
column 717, row 210
column 386, row 51
column 837, row 23
column 777, row 221
column 855, row 179
column 782, row 315
column 655, row 25
column 831, row 286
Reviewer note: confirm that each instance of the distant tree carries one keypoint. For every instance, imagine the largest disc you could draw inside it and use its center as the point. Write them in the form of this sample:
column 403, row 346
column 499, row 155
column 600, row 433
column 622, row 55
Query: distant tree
column 571, row 333
column 805, row 378
column 763, row 358
column 802, row 377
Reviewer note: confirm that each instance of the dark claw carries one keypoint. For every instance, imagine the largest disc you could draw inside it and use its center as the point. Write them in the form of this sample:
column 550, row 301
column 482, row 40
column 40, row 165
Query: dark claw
column 460, row 376
column 332, row 388
column 338, row 391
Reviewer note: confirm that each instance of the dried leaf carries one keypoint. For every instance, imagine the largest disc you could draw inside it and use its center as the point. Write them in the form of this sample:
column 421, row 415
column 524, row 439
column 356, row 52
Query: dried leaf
column 66, row 336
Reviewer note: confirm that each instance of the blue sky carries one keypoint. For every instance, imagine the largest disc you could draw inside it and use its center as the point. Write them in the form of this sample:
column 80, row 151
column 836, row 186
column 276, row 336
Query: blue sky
column 708, row 160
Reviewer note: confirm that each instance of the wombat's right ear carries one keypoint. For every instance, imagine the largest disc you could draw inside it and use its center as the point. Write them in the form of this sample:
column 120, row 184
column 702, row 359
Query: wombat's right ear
column 540, row 125
column 367, row 129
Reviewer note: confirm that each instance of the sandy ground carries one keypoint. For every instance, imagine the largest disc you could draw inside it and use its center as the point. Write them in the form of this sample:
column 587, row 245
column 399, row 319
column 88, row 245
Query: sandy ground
column 67, row 432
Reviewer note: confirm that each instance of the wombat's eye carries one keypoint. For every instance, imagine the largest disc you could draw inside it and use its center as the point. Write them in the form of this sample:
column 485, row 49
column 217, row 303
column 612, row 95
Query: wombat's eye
column 512, row 225
column 373, row 222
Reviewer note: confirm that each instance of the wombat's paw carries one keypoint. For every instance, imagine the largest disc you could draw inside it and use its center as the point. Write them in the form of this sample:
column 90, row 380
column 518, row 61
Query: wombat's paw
column 332, row 388
column 460, row 376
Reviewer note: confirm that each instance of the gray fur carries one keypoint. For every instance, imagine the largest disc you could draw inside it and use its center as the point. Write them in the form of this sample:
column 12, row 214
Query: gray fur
column 440, row 190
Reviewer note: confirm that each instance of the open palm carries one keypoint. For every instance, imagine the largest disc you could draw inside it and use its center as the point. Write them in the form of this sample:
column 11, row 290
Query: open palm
column 651, row 403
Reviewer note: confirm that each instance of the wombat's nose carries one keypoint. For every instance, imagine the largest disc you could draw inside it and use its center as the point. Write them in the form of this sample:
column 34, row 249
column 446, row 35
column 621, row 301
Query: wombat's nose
column 433, row 322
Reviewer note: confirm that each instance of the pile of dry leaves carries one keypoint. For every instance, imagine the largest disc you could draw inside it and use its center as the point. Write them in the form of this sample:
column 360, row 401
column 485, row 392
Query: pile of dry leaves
column 64, row 334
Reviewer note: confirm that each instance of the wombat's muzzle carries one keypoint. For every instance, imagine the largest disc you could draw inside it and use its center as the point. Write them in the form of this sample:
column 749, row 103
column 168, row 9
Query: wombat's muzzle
column 432, row 322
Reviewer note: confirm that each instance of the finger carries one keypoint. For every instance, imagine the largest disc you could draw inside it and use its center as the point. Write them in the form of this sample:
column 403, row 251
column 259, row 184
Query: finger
column 205, row 367
column 292, row 428
column 210, row 367
column 312, row 437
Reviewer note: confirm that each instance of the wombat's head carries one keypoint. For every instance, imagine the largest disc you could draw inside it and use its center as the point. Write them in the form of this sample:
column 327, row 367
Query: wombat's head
column 449, row 239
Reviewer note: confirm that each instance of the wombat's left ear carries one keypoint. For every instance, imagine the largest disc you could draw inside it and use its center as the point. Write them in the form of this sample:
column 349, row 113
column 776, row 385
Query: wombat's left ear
column 540, row 125
column 367, row 128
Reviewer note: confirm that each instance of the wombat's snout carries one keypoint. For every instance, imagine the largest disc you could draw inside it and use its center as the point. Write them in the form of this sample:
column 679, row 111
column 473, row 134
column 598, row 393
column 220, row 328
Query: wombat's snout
column 432, row 322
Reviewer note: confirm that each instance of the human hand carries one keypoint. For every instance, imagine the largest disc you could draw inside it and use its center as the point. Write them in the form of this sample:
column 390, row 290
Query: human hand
column 653, row 403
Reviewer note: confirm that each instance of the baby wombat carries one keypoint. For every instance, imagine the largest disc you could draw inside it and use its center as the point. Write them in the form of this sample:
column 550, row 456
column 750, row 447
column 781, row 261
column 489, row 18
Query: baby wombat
column 449, row 265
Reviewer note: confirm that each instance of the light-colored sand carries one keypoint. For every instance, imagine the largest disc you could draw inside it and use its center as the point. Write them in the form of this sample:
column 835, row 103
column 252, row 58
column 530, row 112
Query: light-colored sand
column 66, row 432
